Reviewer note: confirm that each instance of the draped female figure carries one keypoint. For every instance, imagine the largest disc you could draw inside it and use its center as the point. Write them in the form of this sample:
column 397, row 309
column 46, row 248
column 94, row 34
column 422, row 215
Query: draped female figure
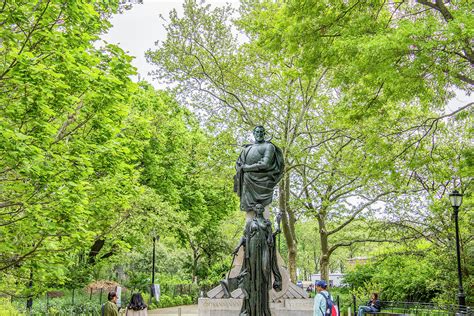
column 259, row 265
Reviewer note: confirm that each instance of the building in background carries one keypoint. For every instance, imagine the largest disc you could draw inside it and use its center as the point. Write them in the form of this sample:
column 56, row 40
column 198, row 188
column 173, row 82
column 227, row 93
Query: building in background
column 352, row 262
column 335, row 279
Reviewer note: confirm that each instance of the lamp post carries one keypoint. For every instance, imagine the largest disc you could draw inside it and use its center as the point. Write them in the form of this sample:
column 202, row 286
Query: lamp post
column 456, row 200
column 29, row 301
column 155, row 238
column 153, row 262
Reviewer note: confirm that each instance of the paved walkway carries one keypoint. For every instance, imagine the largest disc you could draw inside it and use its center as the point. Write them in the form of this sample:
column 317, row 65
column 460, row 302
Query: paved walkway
column 186, row 310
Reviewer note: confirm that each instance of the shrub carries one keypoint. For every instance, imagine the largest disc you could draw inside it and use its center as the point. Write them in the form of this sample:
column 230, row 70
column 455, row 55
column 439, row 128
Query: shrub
column 165, row 301
column 7, row 309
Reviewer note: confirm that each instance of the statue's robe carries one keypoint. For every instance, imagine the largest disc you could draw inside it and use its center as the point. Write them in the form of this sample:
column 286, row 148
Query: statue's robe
column 260, row 265
column 256, row 187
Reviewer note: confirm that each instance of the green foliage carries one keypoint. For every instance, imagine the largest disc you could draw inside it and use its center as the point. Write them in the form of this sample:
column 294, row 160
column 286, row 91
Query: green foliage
column 81, row 304
column 7, row 308
column 354, row 94
column 170, row 301
column 376, row 51
column 65, row 172
column 397, row 277
column 179, row 164
column 91, row 162
column 137, row 281
column 92, row 165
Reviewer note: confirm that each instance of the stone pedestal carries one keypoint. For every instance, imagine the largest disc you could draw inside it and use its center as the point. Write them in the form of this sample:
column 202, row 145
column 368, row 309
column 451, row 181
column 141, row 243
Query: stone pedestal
column 291, row 300
column 231, row 307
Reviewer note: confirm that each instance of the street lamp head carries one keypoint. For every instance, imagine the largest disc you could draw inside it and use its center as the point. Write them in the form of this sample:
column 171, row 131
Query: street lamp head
column 456, row 198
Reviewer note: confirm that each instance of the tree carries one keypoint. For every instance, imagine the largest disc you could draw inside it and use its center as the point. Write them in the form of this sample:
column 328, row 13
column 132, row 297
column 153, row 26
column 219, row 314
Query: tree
column 388, row 67
column 387, row 51
column 181, row 164
column 353, row 130
column 63, row 102
column 238, row 87
column 91, row 162
column 222, row 78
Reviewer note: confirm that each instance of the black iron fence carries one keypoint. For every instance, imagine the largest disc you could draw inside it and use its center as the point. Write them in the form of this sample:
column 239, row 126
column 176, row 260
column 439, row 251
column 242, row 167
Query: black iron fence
column 416, row 308
column 89, row 302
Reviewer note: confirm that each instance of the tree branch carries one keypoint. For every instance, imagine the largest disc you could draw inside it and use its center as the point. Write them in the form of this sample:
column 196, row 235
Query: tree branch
column 350, row 243
column 18, row 259
column 356, row 212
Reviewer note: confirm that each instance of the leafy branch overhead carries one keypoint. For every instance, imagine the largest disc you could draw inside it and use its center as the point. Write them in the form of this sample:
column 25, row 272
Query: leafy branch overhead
column 353, row 92
column 90, row 161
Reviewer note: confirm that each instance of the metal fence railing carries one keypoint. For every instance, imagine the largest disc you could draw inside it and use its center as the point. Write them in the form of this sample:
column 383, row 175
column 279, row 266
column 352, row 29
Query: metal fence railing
column 422, row 309
column 89, row 302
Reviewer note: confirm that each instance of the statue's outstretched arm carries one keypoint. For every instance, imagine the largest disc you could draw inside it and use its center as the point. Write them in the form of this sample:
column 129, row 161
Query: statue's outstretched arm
column 241, row 243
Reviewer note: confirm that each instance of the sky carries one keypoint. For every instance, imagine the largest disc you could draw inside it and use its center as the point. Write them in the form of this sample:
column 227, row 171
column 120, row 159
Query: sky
column 137, row 30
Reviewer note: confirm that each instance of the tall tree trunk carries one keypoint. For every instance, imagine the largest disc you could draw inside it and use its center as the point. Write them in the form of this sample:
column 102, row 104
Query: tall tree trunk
column 324, row 263
column 316, row 261
column 288, row 223
column 195, row 264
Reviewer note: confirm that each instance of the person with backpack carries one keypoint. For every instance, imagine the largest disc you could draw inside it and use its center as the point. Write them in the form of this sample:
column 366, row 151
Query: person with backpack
column 110, row 307
column 323, row 303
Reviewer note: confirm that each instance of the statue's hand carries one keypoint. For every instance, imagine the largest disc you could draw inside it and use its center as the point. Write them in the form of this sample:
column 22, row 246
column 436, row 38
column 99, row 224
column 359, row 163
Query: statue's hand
column 276, row 232
column 270, row 240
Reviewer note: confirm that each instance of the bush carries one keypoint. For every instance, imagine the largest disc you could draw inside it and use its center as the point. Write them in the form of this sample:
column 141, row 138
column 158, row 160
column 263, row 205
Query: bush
column 170, row 301
column 177, row 300
column 398, row 278
column 187, row 300
column 165, row 301
column 7, row 309
column 62, row 305
column 345, row 298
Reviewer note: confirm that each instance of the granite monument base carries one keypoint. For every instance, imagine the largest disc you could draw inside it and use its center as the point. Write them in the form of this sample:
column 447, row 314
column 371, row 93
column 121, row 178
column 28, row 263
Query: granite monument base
column 231, row 307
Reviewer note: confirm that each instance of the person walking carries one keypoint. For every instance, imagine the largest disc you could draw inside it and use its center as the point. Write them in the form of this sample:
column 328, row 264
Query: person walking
column 110, row 307
column 320, row 298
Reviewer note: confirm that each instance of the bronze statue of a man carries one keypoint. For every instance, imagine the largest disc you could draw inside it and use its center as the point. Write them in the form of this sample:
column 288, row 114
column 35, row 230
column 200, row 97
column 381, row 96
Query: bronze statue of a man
column 259, row 168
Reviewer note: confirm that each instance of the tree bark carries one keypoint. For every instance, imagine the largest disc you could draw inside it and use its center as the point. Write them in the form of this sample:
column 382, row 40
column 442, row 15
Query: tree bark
column 95, row 249
column 195, row 264
column 324, row 263
column 288, row 223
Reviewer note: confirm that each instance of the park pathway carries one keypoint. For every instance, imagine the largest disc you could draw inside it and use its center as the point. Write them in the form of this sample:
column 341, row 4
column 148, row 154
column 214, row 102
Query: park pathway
column 186, row 310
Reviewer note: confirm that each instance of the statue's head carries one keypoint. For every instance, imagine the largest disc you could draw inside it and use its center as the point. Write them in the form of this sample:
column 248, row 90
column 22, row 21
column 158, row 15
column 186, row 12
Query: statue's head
column 259, row 209
column 259, row 133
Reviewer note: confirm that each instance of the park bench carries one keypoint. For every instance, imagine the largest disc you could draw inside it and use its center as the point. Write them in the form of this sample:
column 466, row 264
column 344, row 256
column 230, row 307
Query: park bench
column 386, row 314
column 392, row 308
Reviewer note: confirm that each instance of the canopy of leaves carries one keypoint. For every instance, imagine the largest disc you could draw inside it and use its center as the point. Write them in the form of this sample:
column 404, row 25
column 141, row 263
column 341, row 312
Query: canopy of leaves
column 354, row 92
column 91, row 162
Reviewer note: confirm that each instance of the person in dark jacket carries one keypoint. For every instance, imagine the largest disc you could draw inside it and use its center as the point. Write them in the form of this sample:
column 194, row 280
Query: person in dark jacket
column 373, row 306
